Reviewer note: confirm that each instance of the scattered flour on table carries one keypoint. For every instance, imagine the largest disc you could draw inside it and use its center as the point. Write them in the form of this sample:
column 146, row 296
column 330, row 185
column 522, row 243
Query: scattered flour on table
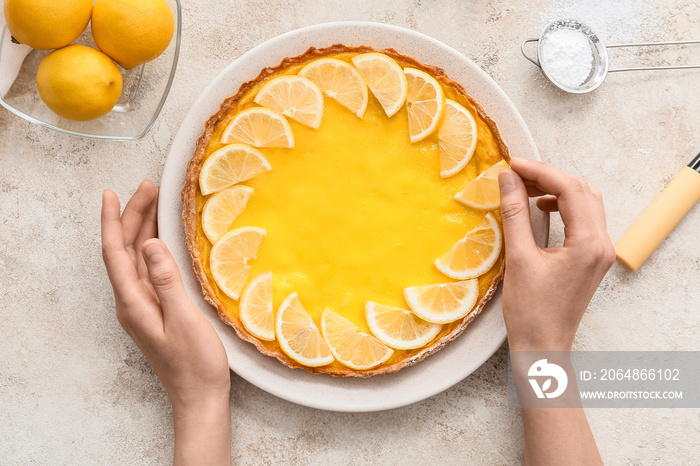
column 614, row 21
column 162, row 136
column 567, row 57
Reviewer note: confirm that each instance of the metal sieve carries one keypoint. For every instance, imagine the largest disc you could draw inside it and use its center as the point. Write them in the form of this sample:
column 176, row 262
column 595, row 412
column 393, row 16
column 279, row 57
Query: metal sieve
column 600, row 65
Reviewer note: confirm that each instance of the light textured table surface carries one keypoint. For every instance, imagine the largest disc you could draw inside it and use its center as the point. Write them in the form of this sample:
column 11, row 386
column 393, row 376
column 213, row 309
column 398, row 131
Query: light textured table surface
column 74, row 389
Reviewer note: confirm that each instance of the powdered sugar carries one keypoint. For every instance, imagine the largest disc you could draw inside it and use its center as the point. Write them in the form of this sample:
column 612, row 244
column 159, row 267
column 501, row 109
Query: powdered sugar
column 566, row 56
column 614, row 21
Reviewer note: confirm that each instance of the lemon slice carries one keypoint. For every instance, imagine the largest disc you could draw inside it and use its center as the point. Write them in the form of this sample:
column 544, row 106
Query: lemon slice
column 385, row 79
column 457, row 139
column 399, row 328
column 230, row 165
column 259, row 127
column 230, row 255
column 474, row 254
column 298, row 336
column 255, row 307
column 222, row 209
column 443, row 303
column 295, row 97
column 351, row 347
column 425, row 102
column 340, row 81
column 483, row 192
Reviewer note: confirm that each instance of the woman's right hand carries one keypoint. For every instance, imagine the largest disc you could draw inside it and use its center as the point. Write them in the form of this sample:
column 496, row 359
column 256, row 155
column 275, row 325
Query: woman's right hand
column 546, row 291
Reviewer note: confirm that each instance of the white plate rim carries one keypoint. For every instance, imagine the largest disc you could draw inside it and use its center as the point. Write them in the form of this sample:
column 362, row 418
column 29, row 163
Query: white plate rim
column 439, row 371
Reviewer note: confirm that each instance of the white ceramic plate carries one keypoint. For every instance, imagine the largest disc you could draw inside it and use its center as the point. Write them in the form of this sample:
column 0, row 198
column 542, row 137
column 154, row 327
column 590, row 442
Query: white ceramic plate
column 439, row 371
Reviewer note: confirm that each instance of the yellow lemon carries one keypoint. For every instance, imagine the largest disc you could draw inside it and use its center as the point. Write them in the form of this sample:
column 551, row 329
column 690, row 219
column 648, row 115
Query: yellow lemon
column 355, row 349
column 259, row 127
column 457, row 139
column 255, row 308
column 443, row 303
column 295, row 97
column 483, row 192
column 340, row 81
column 47, row 24
column 230, row 257
column 474, row 254
column 230, row 165
column 399, row 328
column 425, row 102
column 298, row 336
column 385, row 79
column 222, row 209
column 78, row 82
column 132, row 32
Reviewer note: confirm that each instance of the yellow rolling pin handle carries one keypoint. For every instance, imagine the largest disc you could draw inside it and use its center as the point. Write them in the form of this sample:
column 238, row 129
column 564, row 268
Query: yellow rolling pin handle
column 660, row 218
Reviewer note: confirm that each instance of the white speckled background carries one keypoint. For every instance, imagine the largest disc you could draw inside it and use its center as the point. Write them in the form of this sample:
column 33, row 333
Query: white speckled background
column 74, row 389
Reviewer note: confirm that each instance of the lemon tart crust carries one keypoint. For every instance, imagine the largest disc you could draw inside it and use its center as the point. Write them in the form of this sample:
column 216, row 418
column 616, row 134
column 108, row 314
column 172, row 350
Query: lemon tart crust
column 190, row 214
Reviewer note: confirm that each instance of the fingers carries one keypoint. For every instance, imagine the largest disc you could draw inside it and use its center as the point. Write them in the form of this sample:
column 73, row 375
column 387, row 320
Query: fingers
column 136, row 210
column 166, row 281
column 112, row 235
column 532, row 190
column 120, row 267
column 545, row 177
column 609, row 255
column 149, row 229
column 575, row 200
column 548, row 204
column 598, row 196
column 580, row 206
column 515, row 212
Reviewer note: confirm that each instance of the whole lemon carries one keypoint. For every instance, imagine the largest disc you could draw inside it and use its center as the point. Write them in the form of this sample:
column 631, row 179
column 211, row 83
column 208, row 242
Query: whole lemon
column 78, row 82
column 47, row 24
column 132, row 32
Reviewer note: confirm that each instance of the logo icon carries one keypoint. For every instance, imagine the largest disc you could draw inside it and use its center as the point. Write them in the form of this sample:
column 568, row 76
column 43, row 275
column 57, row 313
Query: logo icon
column 542, row 368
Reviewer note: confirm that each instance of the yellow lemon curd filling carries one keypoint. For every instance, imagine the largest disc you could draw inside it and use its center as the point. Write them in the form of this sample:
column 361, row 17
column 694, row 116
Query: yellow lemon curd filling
column 355, row 212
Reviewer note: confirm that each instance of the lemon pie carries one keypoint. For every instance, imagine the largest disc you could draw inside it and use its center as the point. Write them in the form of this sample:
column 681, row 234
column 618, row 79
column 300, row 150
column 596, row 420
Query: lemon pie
column 342, row 211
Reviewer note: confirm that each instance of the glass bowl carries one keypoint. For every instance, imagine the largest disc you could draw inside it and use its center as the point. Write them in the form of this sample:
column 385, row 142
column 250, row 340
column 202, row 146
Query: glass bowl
column 144, row 92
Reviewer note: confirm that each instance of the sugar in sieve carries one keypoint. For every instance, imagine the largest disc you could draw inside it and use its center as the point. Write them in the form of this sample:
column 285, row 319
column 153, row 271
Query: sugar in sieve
column 573, row 58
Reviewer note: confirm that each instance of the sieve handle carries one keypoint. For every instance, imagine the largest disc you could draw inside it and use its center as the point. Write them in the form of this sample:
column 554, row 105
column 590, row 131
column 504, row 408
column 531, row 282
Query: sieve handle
column 649, row 44
column 522, row 49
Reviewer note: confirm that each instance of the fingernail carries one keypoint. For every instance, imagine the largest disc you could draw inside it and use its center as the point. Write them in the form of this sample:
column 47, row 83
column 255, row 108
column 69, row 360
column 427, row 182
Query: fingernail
column 507, row 181
column 153, row 251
